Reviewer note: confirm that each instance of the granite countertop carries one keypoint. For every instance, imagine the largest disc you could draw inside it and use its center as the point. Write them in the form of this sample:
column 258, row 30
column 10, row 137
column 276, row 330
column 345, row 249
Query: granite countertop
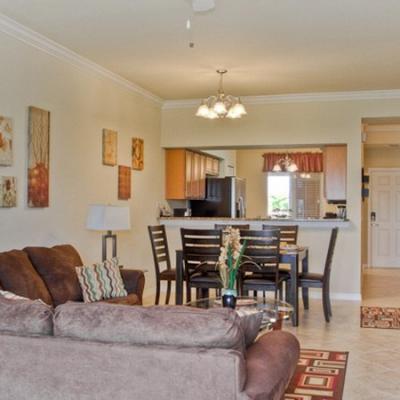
column 258, row 219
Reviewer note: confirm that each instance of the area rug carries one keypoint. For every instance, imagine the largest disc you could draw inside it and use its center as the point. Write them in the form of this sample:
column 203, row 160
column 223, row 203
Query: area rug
column 319, row 375
column 380, row 317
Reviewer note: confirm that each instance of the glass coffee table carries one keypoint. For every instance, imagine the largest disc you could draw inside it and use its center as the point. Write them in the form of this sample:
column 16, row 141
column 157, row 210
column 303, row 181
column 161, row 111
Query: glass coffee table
column 274, row 311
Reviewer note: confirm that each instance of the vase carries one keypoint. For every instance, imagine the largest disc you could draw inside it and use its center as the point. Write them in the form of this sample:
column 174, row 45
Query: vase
column 229, row 298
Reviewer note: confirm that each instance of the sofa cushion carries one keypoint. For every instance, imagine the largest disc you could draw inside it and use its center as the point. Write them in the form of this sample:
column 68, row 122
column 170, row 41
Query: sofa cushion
column 18, row 275
column 101, row 281
column 251, row 322
column 56, row 266
column 25, row 317
column 129, row 300
column 11, row 296
column 157, row 325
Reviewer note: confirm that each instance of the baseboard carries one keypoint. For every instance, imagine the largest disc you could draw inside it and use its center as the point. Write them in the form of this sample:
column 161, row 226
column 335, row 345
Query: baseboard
column 336, row 296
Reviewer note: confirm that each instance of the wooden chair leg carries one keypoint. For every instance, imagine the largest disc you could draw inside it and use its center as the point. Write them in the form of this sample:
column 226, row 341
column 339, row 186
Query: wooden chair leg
column 281, row 292
column 188, row 292
column 325, row 304
column 305, row 298
column 255, row 293
column 329, row 302
column 157, row 300
column 287, row 292
column 168, row 292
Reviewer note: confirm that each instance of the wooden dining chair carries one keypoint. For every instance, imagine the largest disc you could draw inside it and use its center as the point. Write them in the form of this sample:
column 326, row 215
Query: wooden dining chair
column 260, row 265
column 159, row 247
column 234, row 226
column 201, row 249
column 314, row 280
column 288, row 233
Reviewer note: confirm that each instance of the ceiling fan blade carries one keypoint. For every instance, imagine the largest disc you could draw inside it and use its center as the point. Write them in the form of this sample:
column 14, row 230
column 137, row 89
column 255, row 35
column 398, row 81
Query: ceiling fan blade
column 203, row 5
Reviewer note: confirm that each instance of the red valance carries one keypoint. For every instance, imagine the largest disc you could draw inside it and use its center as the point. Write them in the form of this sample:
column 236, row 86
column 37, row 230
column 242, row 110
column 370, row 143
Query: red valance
column 306, row 162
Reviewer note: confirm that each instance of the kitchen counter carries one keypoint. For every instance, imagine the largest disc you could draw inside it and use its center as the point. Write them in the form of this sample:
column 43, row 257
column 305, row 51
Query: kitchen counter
column 255, row 223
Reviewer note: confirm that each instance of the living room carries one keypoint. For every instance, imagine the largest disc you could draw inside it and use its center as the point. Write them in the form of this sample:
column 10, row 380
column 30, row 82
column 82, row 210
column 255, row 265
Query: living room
column 309, row 74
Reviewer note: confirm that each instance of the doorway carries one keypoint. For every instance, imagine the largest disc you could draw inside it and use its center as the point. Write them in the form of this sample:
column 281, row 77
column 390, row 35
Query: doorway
column 384, row 218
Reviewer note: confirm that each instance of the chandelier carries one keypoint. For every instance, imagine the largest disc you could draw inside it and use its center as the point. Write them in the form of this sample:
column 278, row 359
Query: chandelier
column 285, row 164
column 222, row 105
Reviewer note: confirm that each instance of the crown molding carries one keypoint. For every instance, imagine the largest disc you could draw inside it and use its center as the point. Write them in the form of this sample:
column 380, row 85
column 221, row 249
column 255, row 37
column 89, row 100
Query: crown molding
column 41, row 42
column 298, row 98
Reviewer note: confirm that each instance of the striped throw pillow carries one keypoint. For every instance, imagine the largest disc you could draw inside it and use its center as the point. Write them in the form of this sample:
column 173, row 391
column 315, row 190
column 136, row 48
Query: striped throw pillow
column 101, row 281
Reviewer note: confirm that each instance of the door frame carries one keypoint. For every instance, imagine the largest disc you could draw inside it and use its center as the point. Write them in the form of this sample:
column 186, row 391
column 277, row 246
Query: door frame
column 370, row 172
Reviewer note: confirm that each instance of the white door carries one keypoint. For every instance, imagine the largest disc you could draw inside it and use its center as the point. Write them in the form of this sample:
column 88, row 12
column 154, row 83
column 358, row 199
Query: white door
column 385, row 218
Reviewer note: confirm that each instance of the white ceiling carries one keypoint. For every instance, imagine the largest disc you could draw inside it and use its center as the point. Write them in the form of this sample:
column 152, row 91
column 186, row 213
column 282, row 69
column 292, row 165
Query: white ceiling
column 268, row 46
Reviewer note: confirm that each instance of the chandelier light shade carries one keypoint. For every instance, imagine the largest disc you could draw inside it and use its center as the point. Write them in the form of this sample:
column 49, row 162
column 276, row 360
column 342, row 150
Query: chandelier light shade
column 285, row 164
column 222, row 105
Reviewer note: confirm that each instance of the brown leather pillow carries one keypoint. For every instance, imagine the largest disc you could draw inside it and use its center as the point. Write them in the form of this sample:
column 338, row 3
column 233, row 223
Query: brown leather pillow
column 56, row 266
column 18, row 275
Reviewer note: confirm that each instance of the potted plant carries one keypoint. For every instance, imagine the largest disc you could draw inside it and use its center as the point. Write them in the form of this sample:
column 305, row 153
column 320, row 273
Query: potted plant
column 229, row 263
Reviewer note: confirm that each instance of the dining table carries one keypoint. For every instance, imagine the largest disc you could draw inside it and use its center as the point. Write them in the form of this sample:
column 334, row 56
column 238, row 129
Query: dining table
column 296, row 257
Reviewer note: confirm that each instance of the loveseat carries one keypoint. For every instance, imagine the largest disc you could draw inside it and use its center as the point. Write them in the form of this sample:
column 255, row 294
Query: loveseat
column 48, row 273
column 100, row 351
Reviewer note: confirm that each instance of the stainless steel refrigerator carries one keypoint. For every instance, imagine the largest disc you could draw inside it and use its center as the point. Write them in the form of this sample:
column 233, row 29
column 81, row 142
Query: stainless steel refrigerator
column 225, row 197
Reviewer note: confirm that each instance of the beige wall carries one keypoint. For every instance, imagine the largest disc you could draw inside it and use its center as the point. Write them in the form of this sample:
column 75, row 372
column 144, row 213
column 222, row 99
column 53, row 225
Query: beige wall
column 81, row 105
column 290, row 124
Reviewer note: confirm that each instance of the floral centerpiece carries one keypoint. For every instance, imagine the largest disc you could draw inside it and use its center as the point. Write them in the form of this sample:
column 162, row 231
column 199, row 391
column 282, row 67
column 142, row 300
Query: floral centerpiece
column 229, row 263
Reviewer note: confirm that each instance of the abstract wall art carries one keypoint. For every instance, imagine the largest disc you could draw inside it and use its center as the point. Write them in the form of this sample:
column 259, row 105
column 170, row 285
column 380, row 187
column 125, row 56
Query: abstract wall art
column 137, row 154
column 38, row 157
column 110, row 147
column 8, row 191
column 6, row 141
column 124, row 182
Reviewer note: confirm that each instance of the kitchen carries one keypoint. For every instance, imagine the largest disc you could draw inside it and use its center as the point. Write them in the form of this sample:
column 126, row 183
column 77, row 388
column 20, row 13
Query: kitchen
column 257, row 184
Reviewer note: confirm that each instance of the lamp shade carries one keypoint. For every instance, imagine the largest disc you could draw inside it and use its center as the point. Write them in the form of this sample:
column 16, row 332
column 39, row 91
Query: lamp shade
column 108, row 218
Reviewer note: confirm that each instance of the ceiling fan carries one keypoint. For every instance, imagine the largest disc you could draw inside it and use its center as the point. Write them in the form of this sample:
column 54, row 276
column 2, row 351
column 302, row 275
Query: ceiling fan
column 200, row 6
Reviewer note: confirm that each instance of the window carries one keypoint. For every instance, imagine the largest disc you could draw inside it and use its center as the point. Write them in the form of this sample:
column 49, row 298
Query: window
column 293, row 195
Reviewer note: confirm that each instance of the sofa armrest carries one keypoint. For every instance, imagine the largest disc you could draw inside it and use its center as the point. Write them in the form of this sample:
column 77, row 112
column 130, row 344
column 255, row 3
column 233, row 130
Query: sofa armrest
column 271, row 363
column 134, row 281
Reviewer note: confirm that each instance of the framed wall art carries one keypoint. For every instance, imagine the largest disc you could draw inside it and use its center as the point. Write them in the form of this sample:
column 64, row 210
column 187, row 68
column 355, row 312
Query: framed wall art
column 137, row 154
column 38, row 157
column 8, row 191
column 6, row 141
column 124, row 182
column 110, row 147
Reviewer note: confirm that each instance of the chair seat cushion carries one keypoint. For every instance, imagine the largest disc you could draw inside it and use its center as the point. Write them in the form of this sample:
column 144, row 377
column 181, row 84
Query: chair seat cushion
column 258, row 282
column 129, row 300
column 210, row 279
column 18, row 275
column 168, row 275
column 311, row 276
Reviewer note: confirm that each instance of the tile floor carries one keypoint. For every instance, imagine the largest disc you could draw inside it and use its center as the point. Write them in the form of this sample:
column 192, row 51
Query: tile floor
column 373, row 371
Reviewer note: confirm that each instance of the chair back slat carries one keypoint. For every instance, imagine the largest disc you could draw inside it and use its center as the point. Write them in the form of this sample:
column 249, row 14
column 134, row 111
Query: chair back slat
column 288, row 233
column 201, row 249
column 159, row 247
column 235, row 226
column 330, row 253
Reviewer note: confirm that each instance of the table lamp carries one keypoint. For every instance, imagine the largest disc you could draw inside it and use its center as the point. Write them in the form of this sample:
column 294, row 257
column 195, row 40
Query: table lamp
column 108, row 218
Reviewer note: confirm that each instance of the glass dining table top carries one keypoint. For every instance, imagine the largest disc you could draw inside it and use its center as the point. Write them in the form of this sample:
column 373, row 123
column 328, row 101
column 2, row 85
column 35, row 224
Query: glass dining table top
column 274, row 311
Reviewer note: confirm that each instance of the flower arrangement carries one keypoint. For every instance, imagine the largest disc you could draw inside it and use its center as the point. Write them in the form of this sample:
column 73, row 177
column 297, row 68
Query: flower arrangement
column 230, row 257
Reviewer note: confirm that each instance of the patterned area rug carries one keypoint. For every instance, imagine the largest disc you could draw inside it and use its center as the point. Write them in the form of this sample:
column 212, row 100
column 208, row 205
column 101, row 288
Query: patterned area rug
column 380, row 317
column 319, row 375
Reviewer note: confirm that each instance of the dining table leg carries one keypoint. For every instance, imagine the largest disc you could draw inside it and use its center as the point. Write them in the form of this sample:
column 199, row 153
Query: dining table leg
column 294, row 298
column 179, row 277
column 304, row 268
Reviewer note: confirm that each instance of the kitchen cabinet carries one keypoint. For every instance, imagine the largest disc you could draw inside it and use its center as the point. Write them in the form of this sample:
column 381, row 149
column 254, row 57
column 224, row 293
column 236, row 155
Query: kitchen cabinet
column 212, row 166
column 185, row 175
column 335, row 172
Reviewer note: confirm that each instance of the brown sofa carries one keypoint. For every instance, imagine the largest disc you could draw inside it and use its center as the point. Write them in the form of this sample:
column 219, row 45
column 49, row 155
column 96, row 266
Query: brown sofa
column 48, row 273
column 98, row 351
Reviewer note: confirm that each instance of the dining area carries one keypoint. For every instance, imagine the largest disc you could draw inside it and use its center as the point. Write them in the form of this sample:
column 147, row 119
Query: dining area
column 274, row 264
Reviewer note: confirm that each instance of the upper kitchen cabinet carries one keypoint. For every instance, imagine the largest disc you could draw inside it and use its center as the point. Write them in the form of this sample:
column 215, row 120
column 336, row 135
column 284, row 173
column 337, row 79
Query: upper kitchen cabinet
column 185, row 174
column 335, row 172
column 212, row 166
